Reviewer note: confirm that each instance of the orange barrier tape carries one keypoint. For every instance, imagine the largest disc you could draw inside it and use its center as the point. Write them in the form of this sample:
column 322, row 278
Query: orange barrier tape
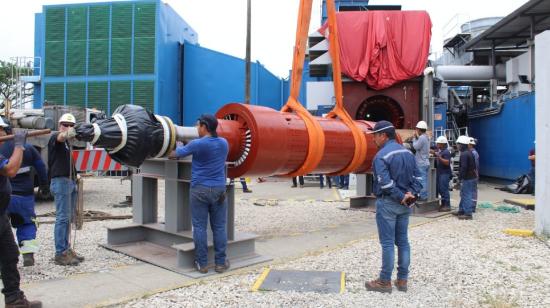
column 360, row 153
column 316, row 144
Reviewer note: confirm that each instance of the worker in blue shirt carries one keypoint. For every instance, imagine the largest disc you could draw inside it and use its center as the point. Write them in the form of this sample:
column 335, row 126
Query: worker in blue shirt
column 467, row 177
column 21, row 207
column 421, row 144
column 207, row 192
column 9, row 252
column 472, row 148
column 396, row 184
column 443, row 173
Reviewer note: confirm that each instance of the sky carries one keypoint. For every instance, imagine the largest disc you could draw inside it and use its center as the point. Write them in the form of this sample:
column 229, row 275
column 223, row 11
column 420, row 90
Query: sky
column 221, row 24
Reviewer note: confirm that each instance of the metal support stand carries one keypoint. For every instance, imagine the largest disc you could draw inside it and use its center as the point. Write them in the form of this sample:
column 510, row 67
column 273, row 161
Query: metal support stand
column 169, row 244
column 432, row 204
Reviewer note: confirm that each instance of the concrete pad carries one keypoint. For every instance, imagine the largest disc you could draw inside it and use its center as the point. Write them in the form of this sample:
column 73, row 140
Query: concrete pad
column 301, row 281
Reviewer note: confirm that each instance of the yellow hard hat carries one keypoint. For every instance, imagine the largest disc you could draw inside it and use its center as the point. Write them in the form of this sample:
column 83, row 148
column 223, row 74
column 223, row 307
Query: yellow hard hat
column 67, row 118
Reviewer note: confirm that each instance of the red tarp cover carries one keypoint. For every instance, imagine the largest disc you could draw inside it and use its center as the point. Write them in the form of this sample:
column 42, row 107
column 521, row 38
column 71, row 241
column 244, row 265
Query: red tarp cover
column 383, row 48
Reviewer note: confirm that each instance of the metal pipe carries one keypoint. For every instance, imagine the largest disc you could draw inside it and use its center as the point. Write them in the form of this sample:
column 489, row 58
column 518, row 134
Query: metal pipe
column 32, row 133
column 186, row 133
column 471, row 72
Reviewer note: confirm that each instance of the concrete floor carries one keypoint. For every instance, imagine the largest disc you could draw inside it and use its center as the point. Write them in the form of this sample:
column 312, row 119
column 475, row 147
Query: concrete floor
column 124, row 283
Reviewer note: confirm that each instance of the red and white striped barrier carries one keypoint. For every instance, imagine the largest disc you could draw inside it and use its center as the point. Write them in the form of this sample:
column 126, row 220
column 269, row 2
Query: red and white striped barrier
column 95, row 160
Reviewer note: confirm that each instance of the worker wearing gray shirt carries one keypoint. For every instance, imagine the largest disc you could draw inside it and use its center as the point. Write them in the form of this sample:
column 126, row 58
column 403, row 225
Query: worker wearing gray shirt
column 421, row 145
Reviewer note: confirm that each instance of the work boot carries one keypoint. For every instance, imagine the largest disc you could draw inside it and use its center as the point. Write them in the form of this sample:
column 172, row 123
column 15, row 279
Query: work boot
column 247, row 191
column 457, row 213
column 28, row 259
column 222, row 268
column 465, row 217
column 401, row 284
column 75, row 255
column 65, row 259
column 201, row 269
column 444, row 209
column 22, row 302
column 379, row 286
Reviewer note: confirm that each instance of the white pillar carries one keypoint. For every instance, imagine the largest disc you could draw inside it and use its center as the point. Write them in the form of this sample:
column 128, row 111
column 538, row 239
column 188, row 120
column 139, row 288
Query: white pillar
column 542, row 127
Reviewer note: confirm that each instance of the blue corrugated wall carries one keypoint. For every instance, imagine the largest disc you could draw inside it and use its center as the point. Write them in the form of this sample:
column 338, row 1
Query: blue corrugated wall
column 506, row 138
column 213, row 79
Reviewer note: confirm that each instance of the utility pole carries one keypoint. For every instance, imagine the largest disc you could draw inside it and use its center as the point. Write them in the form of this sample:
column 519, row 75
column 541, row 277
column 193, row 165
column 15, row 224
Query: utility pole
column 247, row 60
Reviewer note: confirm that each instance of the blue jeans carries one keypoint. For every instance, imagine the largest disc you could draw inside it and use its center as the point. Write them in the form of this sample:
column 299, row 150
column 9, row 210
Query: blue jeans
column 344, row 181
column 443, row 188
column 474, row 196
column 64, row 192
column 204, row 203
column 466, row 205
column 424, row 181
column 392, row 220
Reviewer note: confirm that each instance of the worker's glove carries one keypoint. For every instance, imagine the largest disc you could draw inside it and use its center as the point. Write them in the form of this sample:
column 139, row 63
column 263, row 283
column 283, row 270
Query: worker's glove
column 19, row 138
column 71, row 133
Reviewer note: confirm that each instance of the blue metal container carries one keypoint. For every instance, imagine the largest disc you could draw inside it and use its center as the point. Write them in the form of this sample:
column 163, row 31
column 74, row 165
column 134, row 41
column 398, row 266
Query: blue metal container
column 505, row 138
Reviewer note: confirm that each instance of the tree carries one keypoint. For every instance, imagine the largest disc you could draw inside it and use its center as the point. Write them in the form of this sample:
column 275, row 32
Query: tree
column 9, row 82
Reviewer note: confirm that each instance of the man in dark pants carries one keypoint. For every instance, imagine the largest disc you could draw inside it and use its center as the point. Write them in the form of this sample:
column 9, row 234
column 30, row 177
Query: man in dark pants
column 9, row 253
column 472, row 148
column 396, row 185
column 532, row 158
column 468, row 178
column 443, row 173
column 21, row 208
column 245, row 187
column 322, row 182
column 208, row 192
column 295, row 183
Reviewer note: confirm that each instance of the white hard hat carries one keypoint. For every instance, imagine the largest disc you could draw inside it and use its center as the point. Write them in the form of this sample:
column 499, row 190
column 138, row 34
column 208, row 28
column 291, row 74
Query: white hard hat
column 2, row 123
column 67, row 118
column 441, row 139
column 463, row 140
column 472, row 141
column 422, row 125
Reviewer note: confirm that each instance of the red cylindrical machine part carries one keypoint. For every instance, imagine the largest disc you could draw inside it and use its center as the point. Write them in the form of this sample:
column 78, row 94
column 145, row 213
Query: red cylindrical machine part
column 275, row 143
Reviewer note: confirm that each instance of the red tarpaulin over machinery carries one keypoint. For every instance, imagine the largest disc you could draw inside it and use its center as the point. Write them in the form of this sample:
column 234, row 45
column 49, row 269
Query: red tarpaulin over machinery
column 383, row 48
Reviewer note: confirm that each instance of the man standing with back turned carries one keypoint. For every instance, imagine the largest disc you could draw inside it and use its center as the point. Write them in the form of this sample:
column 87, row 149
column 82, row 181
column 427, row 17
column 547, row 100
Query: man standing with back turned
column 208, row 192
column 396, row 184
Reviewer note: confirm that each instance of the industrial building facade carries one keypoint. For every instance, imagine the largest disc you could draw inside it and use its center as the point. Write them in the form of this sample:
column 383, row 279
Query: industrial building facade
column 102, row 55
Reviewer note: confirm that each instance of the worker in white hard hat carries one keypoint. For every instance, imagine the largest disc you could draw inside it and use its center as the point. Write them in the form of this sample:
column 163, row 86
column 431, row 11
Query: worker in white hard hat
column 63, row 187
column 467, row 177
column 472, row 148
column 421, row 144
column 443, row 172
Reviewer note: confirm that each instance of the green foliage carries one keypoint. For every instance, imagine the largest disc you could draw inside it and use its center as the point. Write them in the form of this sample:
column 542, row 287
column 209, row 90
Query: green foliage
column 8, row 73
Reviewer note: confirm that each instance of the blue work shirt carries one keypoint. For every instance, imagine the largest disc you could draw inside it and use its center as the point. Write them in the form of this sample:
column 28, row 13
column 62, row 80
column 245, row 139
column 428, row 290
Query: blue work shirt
column 23, row 184
column 468, row 169
column 395, row 172
column 208, row 165
column 441, row 168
